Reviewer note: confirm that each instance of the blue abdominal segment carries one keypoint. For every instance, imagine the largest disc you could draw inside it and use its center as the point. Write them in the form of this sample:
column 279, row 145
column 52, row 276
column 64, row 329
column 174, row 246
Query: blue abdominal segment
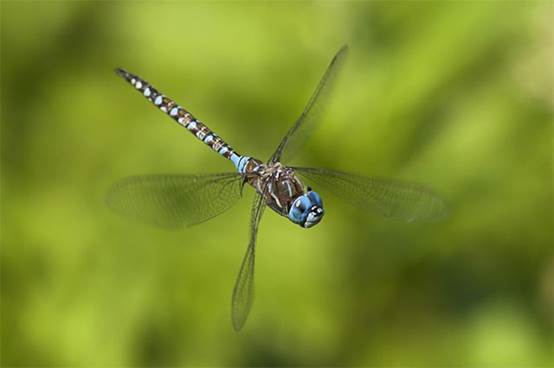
column 240, row 162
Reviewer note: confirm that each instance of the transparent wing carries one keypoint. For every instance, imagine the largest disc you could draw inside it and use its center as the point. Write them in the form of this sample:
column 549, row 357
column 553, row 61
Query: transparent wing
column 304, row 126
column 243, row 293
column 174, row 201
column 395, row 199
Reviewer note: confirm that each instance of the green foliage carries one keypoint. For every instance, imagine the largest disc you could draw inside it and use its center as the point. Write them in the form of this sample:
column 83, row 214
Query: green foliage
column 455, row 95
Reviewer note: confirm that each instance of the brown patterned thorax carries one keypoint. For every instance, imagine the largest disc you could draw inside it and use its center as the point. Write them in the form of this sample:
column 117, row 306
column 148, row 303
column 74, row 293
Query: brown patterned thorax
column 278, row 184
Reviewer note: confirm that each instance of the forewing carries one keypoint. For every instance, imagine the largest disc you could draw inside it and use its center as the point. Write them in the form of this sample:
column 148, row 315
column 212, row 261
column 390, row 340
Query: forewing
column 395, row 199
column 305, row 124
column 243, row 293
column 174, row 201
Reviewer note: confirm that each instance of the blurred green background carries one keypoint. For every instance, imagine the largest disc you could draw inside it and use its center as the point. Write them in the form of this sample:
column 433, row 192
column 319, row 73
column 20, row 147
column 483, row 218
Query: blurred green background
column 455, row 95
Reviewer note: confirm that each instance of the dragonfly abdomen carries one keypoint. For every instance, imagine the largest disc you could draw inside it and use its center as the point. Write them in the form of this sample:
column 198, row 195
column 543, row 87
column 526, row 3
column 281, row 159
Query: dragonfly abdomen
column 185, row 119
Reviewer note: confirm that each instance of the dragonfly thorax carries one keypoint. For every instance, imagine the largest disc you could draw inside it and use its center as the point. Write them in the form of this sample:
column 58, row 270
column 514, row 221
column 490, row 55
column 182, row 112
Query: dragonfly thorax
column 284, row 193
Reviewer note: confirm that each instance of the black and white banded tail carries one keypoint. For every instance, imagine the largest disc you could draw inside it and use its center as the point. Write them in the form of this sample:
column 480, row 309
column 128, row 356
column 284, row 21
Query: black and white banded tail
column 184, row 118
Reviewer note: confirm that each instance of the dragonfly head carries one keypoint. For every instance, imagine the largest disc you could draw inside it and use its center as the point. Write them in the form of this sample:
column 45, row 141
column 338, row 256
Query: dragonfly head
column 306, row 210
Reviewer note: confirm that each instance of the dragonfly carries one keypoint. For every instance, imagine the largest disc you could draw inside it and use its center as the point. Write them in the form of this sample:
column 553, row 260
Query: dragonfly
column 178, row 201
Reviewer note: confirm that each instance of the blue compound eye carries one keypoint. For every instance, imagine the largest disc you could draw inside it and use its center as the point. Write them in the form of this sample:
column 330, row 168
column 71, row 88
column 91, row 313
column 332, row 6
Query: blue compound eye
column 315, row 198
column 299, row 209
column 304, row 203
column 307, row 209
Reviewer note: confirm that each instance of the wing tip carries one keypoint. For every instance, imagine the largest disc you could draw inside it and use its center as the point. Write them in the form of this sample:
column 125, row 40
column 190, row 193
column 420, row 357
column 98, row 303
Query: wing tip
column 238, row 324
column 342, row 51
column 239, row 315
column 442, row 211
